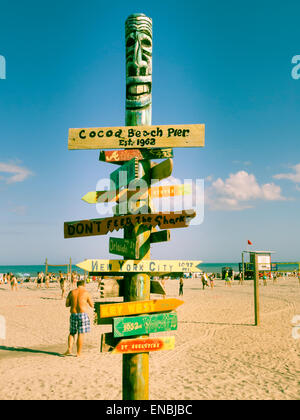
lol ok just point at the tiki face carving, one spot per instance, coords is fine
(138, 33)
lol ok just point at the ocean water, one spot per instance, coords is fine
(32, 270)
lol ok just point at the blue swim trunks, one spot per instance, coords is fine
(80, 323)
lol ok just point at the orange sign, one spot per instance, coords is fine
(139, 307)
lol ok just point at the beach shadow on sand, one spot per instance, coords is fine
(27, 350)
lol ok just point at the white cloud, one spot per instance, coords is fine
(292, 176)
(14, 173)
(238, 192)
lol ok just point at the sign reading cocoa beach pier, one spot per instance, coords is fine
(155, 136)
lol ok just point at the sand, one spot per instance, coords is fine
(219, 353)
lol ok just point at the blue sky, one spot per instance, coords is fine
(224, 64)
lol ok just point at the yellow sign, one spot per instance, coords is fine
(140, 266)
(155, 136)
(94, 197)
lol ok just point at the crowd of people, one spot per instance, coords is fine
(43, 279)
(9, 278)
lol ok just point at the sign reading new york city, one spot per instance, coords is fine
(155, 136)
(139, 266)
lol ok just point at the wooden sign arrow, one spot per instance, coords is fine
(135, 345)
(157, 288)
(138, 307)
(160, 236)
(93, 227)
(94, 197)
(121, 156)
(162, 170)
(140, 266)
(144, 324)
(133, 137)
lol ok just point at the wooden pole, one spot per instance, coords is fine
(256, 291)
(138, 34)
(243, 267)
(46, 267)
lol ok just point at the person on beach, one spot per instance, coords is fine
(74, 279)
(204, 280)
(232, 278)
(227, 279)
(265, 279)
(13, 282)
(212, 280)
(181, 286)
(40, 279)
(62, 283)
(99, 280)
(47, 280)
(78, 301)
(241, 278)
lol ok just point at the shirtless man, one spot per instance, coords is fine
(78, 301)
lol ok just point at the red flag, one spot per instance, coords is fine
(249, 242)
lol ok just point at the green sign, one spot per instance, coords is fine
(125, 247)
(144, 324)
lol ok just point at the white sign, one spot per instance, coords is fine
(264, 262)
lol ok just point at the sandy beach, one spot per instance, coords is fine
(219, 353)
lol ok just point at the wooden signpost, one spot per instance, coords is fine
(155, 136)
(133, 180)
